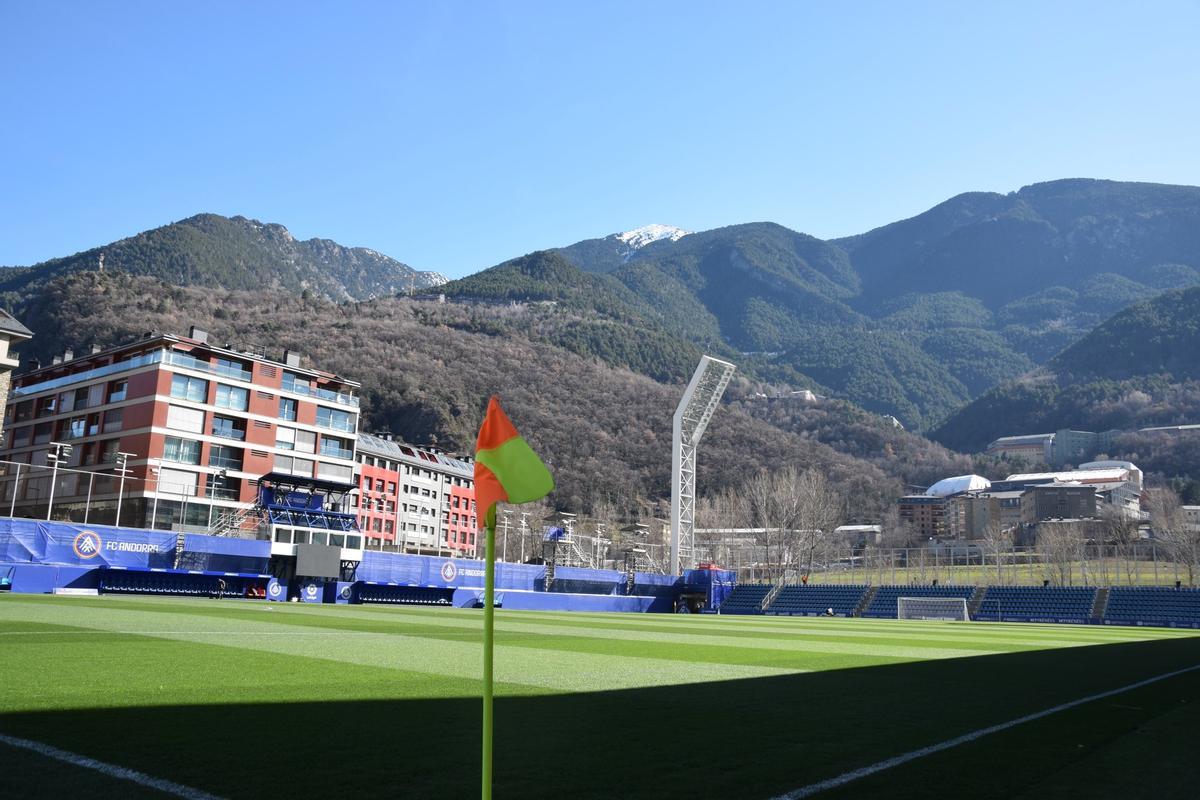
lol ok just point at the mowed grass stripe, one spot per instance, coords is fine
(969, 636)
(97, 669)
(581, 638)
(537, 669)
(757, 625)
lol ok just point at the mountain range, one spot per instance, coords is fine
(234, 253)
(945, 321)
(914, 319)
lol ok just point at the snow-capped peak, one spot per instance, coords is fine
(640, 237)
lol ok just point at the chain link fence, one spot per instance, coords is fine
(1140, 563)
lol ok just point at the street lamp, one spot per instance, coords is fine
(122, 470)
(154, 514)
(61, 451)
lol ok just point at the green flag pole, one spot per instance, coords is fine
(489, 591)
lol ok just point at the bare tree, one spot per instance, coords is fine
(819, 509)
(1061, 545)
(1121, 530)
(1171, 527)
(997, 540)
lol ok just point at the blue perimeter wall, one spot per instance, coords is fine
(40, 555)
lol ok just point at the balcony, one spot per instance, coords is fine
(91, 374)
(225, 462)
(336, 452)
(175, 358)
(335, 425)
(343, 398)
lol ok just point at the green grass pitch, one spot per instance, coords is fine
(244, 699)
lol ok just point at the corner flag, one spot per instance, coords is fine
(506, 469)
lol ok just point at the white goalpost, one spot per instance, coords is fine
(932, 608)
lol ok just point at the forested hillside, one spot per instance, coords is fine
(427, 369)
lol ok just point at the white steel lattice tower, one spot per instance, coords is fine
(699, 401)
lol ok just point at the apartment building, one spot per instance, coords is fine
(414, 499)
(181, 428)
(12, 332)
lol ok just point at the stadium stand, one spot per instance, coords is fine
(884, 604)
(746, 598)
(815, 600)
(1153, 605)
(1072, 604)
(404, 595)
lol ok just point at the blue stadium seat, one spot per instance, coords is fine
(746, 598)
(815, 600)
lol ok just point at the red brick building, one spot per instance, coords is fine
(195, 424)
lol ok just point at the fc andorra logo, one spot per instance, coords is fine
(449, 571)
(275, 590)
(86, 544)
(345, 592)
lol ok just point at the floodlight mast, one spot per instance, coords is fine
(695, 409)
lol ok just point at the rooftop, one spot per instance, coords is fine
(10, 325)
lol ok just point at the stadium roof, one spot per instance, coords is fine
(1074, 476)
(956, 485)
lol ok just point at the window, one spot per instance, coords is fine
(117, 390)
(232, 397)
(285, 438)
(42, 432)
(114, 418)
(334, 472)
(185, 387)
(231, 368)
(335, 419)
(220, 488)
(391, 487)
(225, 457)
(20, 436)
(340, 448)
(176, 481)
(306, 442)
(294, 383)
(93, 424)
(47, 405)
(24, 411)
(66, 401)
(77, 428)
(229, 428)
(287, 409)
(109, 450)
(294, 466)
(185, 419)
(185, 451)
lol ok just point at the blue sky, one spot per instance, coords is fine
(454, 135)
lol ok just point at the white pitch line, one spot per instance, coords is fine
(880, 766)
(111, 770)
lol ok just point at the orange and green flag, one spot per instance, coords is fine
(506, 468)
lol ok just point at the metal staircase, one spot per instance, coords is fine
(770, 596)
(230, 522)
(865, 602)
